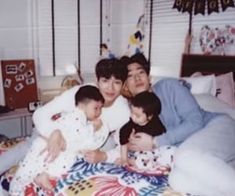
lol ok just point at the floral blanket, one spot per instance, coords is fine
(95, 179)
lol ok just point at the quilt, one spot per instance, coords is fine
(102, 179)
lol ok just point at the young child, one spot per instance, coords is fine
(81, 129)
(145, 108)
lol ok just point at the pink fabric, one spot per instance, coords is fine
(225, 88)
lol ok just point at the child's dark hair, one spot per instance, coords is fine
(136, 58)
(87, 93)
(150, 103)
(111, 67)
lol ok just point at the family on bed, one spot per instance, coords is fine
(203, 151)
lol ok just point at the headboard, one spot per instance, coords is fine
(207, 64)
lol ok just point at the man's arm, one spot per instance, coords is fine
(42, 116)
(44, 125)
(180, 111)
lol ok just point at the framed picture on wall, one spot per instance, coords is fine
(19, 82)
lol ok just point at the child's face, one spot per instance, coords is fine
(110, 89)
(138, 116)
(92, 109)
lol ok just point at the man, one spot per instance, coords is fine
(205, 144)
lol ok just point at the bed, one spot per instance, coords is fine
(208, 64)
(217, 75)
(94, 179)
(109, 179)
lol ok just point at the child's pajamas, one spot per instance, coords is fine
(78, 133)
(159, 161)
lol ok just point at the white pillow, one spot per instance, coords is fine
(202, 84)
(158, 72)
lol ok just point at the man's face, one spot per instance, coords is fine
(137, 79)
(92, 109)
(110, 89)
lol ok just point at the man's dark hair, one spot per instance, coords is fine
(87, 93)
(111, 67)
(148, 101)
(137, 58)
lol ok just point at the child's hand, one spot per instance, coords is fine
(118, 161)
(55, 144)
(121, 162)
(45, 182)
(141, 142)
(124, 163)
(97, 123)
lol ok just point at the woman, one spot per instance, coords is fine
(205, 151)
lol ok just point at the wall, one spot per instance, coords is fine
(23, 33)
(124, 17)
(15, 32)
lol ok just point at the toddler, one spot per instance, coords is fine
(82, 130)
(145, 109)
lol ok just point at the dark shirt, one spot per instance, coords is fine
(154, 128)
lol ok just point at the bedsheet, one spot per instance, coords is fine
(94, 179)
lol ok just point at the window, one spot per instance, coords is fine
(65, 37)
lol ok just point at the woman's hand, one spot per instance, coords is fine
(55, 144)
(140, 142)
(94, 156)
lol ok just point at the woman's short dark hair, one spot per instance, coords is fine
(148, 101)
(87, 93)
(111, 67)
(137, 58)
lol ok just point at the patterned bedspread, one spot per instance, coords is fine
(96, 179)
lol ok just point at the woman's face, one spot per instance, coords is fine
(137, 79)
(110, 89)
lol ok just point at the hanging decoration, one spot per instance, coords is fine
(194, 7)
(136, 39)
(202, 6)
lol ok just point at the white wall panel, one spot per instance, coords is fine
(125, 15)
(90, 34)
